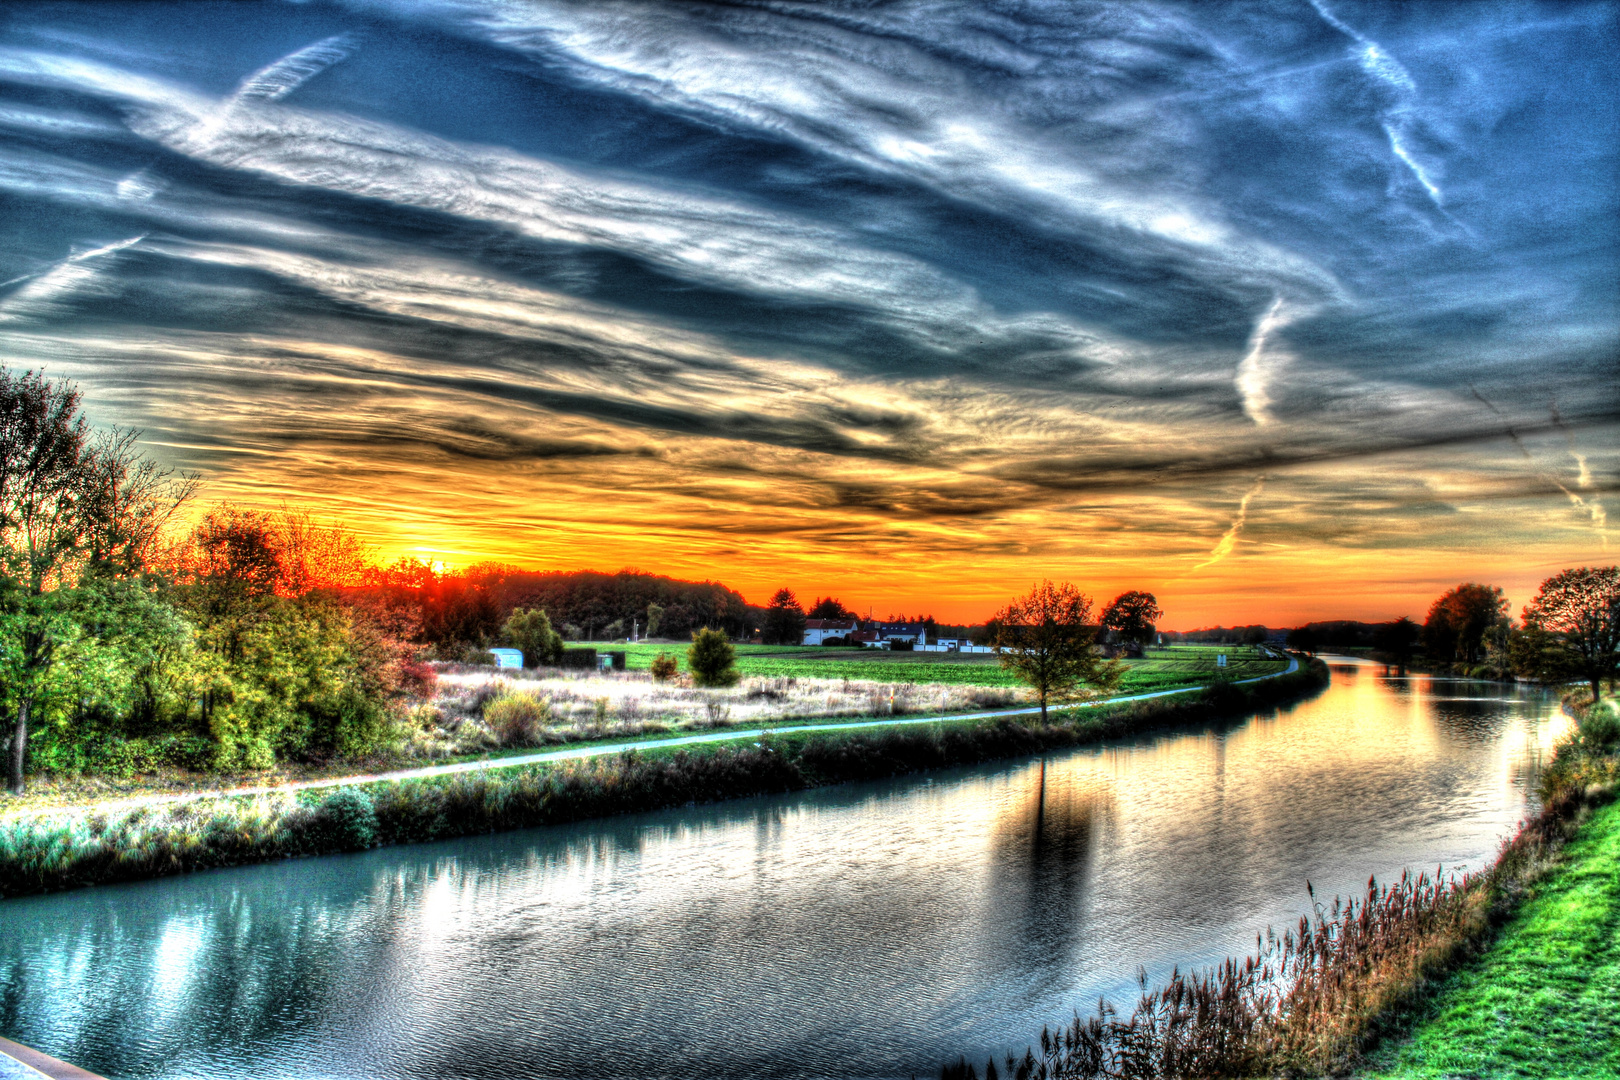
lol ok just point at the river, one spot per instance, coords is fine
(864, 930)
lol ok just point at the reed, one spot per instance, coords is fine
(1312, 1001)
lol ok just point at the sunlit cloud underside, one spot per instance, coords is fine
(1281, 311)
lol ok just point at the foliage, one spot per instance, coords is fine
(518, 719)
(50, 852)
(346, 820)
(1395, 642)
(1458, 621)
(1132, 615)
(828, 607)
(711, 659)
(664, 667)
(74, 510)
(530, 631)
(453, 610)
(1572, 628)
(1046, 637)
(784, 620)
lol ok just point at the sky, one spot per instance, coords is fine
(1279, 310)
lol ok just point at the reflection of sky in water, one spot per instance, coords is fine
(879, 927)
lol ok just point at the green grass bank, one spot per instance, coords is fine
(48, 852)
(1543, 1000)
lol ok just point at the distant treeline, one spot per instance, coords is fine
(462, 612)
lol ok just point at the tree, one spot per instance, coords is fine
(1457, 622)
(1396, 641)
(711, 659)
(1575, 619)
(1047, 638)
(655, 616)
(1132, 615)
(1303, 639)
(664, 667)
(784, 620)
(530, 631)
(69, 505)
(828, 608)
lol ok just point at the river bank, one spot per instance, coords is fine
(1544, 998)
(1510, 972)
(49, 852)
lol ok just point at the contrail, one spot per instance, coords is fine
(277, 80)
(1253, 378)
(1385, 68)
(1224, 546)
(58, 277)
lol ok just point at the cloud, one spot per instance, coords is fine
(893, 288)
(1228, 541)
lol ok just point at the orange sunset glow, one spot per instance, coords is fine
(855, 323)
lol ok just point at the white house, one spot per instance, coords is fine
(818, 631)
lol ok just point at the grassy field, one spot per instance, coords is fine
(1162, 668)
(1544, 1001)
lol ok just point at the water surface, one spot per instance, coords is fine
(864, 930)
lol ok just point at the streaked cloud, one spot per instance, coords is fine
(906, 302)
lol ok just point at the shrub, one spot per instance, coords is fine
(517, 719)
(530, 631)
(712, 659)
(665, 667)
(417, 679)
(1600, 731)
(346, 819)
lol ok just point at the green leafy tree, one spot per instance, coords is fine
(1574, 621)
(711, 659)
(655, 617)
(1132, 616)
(784, 620)
(1047, 638)
(1458, 621)
(529, 629)
(72, 506)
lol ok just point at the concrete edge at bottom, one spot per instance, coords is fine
(43, 1064)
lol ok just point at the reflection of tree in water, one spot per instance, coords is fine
(1043, 843)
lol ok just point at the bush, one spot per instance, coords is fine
(665, 667)
(1600, 731)
(712, 659)
(518, 719)
(347, 820)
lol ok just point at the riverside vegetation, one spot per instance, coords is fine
(43, 852)
(1317, 999)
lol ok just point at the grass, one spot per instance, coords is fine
(1541, 1003)
(1545, 999)
(68, 849)
(1160, 669)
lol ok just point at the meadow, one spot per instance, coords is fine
(1177, 665)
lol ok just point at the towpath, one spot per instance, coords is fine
(605, 749)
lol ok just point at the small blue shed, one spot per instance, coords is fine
(504, 658)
